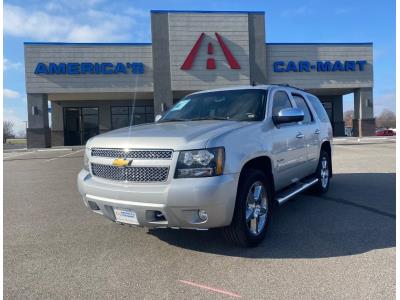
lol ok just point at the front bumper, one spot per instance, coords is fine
(178, 200)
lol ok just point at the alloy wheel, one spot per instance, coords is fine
(324, 172)
(256, 208)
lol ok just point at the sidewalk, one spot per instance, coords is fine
(59, 148)
(364, 140)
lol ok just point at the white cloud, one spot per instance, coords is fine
(86, 25)
(53, 6)
(298, 11)
(10, 94)
(384, 100)
(131, 11)
(9, 65)
(387, 100)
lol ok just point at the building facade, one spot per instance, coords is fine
(96, 87)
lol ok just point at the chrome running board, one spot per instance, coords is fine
(285, 195)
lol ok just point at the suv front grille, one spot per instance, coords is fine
(133, 174)
(135, 154)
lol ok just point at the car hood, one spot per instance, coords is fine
(165, 135)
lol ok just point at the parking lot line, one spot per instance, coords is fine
(73, 152)
(19, 154)
(209, 288)
(54, 149)
(348, 147)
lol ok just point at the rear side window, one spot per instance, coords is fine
(319, 109)
(301, 103)
(281, 101)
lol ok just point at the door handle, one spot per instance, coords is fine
(299, 135)
(317, 131)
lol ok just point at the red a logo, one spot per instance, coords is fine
(187, 64)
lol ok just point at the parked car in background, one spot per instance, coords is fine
(217, 159)
(385, 132)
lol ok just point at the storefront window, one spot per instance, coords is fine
(123, 116)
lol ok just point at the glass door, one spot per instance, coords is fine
(90, 123)
(72, 125)
(80, 124)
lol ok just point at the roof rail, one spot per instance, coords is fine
(288, 85)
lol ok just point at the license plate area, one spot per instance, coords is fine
(125, 215)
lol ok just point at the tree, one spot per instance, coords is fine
(386, 119)
(8, 130)
(348, 118)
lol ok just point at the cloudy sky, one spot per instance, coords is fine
(129, 21)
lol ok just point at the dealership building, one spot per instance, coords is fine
(96, 87)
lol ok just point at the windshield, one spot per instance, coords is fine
(236, 105)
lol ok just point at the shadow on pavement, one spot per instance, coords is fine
(357, 215)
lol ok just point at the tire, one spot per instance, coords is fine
(323, 174)
(250, 233)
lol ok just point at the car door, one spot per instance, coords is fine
(288, 146)
(310, 128)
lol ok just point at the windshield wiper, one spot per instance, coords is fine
(174, 120)
(210, 118)
(195, 119)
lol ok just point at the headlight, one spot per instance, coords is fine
(86, 159)
(200, 163)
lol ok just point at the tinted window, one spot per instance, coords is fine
(319, 109)
(90, 110)
(137, 110)
(301, 103)
(281, 101)
(123, 116)
(118, 110)
(119, 121)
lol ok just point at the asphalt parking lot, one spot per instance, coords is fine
(339, 246)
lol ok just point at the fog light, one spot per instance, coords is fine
(93, 205)
(202, 215)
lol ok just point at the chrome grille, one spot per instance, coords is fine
(134, 174)
(135, 154)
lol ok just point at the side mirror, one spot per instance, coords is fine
(157, 118)
(289, 115)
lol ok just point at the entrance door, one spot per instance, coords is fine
(72, 125)
(90, 123)
(80, 124)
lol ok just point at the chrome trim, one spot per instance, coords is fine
(123, 202)
(256, 212)
(324, 172)
(289, 115)
(300, 189)
(130, 174)
(132, 153)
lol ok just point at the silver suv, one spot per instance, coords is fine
(218, 158)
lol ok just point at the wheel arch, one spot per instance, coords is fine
(262, 163)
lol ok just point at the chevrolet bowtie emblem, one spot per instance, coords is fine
(121, 162)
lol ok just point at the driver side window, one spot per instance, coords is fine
(281, 101)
